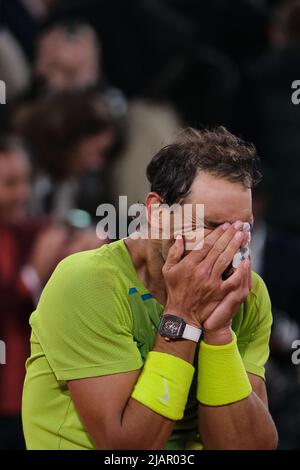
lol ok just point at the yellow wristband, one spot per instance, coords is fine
(222, 378)
(164, 384)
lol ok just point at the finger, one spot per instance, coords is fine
(239, 280)
(209, 311)
(246, 278)
(246, 274)
(234, 290)
(226, 256)
(204, 246)
(175, 253)
(221, 244)
(233, 282)
(223, 313)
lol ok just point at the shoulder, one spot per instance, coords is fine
(255, 328)
(259, 292)
(257, 306)
(90, 266)
(84, 288)
(85, 278)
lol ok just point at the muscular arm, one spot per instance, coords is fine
(116, 421)
(246, 424)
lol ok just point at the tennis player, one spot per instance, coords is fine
(142, 344)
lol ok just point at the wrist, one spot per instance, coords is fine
(218, 337)
(181, 348)
(189, 320)
(163, 385)
(222, 377)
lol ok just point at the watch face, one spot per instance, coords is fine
(172, 326)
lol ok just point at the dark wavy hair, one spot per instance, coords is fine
(173, 169)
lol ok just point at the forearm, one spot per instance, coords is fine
(139, 426)
(141, 429)
(243, 414)
(246, 424)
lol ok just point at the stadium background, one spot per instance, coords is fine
(93, 89)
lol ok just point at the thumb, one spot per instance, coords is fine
(175, 253)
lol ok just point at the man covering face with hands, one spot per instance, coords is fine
(153, 343)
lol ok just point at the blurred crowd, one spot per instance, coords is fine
(93, 89)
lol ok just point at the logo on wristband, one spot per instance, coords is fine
(165, 398)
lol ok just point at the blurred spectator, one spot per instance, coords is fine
(81, 136)
(14, 69)
(150, 33)
(18, 289)
(275, 252)
(83, 124)
(267, 116)
(150, 125)
(23, 18)
(283, 381)
(200, 86)
(30, 250)
(276, 257)
(196, 90)
(68, 58)
(129, 58)
(234, 27)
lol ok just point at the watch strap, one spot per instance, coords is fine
(192, 333)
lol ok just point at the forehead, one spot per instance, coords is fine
(12, 163)
(223, 200)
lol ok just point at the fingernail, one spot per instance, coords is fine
(225, 226)
(248, 240)
(236, 260)
(246, 227)
(179, 237)
(239, 235)
(238, 225)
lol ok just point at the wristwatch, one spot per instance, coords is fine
(174, 327)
